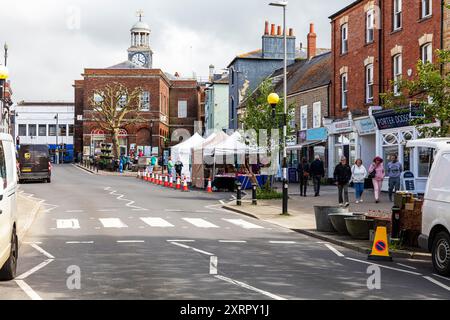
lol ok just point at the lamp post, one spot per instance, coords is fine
(151, 138)
(57, 149)
(283, 4)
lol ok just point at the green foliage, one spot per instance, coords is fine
(268, 194)
(430, 90)
(258, 113)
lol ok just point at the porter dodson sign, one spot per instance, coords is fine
(395, 118)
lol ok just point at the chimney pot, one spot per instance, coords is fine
(272, 29)
(291, 32)
(311, 28)
(266, 29)
(279, 31)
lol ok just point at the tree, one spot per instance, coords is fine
(429, 90)
(115, 106)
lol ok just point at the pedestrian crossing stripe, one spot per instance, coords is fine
(156, 222)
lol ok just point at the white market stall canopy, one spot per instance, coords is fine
(188, 145)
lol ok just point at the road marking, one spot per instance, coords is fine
(440, 284)
(202, 211)
(180, 240)
(192, 248)
(107, 210)
(113, 223)
(246, 286)
(45, 253)
(386, 267)
(173, 210)
(157, 222)
(232, 241)
(67, 224)
(244, 224)
(406, 266)
(222, 202)
(27, 289)
(33, 270)
(32, 242)
(85, 171)
(74, 211)
(142, 209)
(130, 241)
(213, 265)
(282, 242)
(329, 246)
(200, 223)
(79, 242)
(442, 277)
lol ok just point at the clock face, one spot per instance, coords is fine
(139, 59)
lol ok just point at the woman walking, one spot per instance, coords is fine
(359, 174)
(303, 176)
(377, 174)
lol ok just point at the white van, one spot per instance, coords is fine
(435, 235)
(9, 244)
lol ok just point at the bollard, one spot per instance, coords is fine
(239, 194)
(254, 200)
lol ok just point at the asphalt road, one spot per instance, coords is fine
(105, 237)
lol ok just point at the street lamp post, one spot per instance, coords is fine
(57, 149)
(284, 4)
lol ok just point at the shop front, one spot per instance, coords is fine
(365, 140)
(342, 141)
(394, 130)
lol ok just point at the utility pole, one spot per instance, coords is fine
(57, 148)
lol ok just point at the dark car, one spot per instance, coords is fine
(34, 163)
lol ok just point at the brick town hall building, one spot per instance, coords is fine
(167, 102)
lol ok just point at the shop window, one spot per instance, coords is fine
(32, 130)
(42, 130)
(426, 160)
(22, 130)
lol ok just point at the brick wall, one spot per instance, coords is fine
(309, 98)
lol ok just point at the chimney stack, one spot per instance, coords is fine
(279, 31)
(266, 29)
(312, 42)
(211, 73)
(272, 29)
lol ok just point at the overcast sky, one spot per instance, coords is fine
(52, 41)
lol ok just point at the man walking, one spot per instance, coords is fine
(317, 171)
(303, 176)
(342, 176)
(178, 167)
(394, 171)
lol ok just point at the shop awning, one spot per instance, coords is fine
(305, 144)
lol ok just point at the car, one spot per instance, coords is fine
(9, 242)
(435, 235)
(34, 163)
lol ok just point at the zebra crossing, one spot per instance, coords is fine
(153, 222)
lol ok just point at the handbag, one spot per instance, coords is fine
(372, 174)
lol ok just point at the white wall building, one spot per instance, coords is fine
(37, 123)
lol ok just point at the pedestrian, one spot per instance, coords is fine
(317, 172)
(394, 171)
(170, 167)
(377, 174)
(153, 161)
(359, 174)
(303, 176)
(178, 167)
(342, 175)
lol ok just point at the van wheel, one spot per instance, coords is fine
(49, 180)
(8, 272)
(441, 253)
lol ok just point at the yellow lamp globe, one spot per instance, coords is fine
(3, 73)
(273, 99)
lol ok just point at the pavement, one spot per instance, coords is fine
(27, 209)
(301, 216)
(107, 237)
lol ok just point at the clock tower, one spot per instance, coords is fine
(140, 52)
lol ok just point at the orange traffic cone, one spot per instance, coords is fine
(151, 177)
(166, 181)
(170, 181)
(185, 186)
(178, 184)
(161, 180)
(156, 179)
(145, 176)
(209, 189)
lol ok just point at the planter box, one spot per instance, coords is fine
(323, 222)
(359, 228)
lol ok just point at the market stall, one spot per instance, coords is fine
(183, 152)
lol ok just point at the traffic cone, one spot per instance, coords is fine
(151, 177)
(380, 249)
(156, 179)
(161, 180)
(209, 189)
(145, 176)
(185, 186)
(170, 181)
(166, 181)
(178, 184)
(139, 174)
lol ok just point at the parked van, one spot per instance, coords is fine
(34, 162)
(435, 235)
(8, 222)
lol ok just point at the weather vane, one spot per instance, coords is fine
(140, 14)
